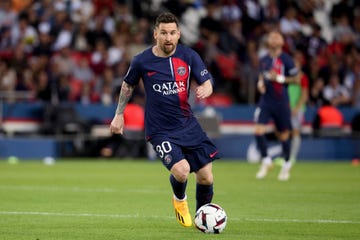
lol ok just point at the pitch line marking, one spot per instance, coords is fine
(56, 188)
(164, 217)
(298, 220)
(75, 189)
(70, 214)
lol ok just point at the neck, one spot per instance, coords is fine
(160, 53)
(274, 52)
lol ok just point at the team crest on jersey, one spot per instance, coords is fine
(167, 159)
(181, 71)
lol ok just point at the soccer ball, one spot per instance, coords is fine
(210, 218)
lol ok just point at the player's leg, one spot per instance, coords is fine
(282, 120)
(173, 159)
(178, 180)
(204, 185)
(261, 117)
(296, 121)
(284, 138)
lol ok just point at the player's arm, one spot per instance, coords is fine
(293, 79)
(273, 76)
(304, 94)
(261, 84)
(204, 90)
(117, 124)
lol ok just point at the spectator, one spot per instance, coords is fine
(335, 92)
(289, 24)
(44, 46)
(355, 99)
(79, 40)
(105, 88)
(63, 39)
(316, 97)
(64, 61)
(97, 33)
(6, 44)
(316, 44)
(24, 32)
(117, 51)
(343, 32)
(7, 14)
(43, 89)
(99, 58)
(7, 79)
(63, 88)
(83, 72)
(327, 118)
(87, 94)
(19, 60)
(271, 14)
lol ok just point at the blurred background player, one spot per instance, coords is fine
(298, 96)
(277, 69)
(170, 125)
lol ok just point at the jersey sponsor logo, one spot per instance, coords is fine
(169, 88)
(203, 72)
(151, 73)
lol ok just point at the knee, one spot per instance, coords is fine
(181, 171)
(284, 136)
(259, 130)
(205, 179)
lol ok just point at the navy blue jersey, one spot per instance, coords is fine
(167, 86)
(276, 92)
(274, 103)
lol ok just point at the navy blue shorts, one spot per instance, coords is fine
(170, 151)
(279, 113)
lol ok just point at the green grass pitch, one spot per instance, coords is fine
(131, 199)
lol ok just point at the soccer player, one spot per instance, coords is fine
(179, 141)
(277, 69)
(298, 95)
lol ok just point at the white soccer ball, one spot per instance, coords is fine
(210, 218)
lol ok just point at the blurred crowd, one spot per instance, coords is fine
(79, 50)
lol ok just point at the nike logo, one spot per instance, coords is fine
(211, 155)
(151, 73)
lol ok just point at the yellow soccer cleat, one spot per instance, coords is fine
(182, 212)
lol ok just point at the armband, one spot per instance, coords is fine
(280, 78)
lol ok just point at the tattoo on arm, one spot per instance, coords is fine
(124, 97)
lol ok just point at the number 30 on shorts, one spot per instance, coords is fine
(163, 148)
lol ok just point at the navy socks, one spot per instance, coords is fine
(178, 187)
(204, 194)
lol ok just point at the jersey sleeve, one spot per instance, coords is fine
(290, 68)
(304, 82)
(134, 72)
(199, 70)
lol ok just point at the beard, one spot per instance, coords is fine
(167, 48)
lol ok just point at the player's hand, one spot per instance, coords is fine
(204, 90)
(273, 76)
(117, 124)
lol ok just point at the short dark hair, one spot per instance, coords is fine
(166, 17)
